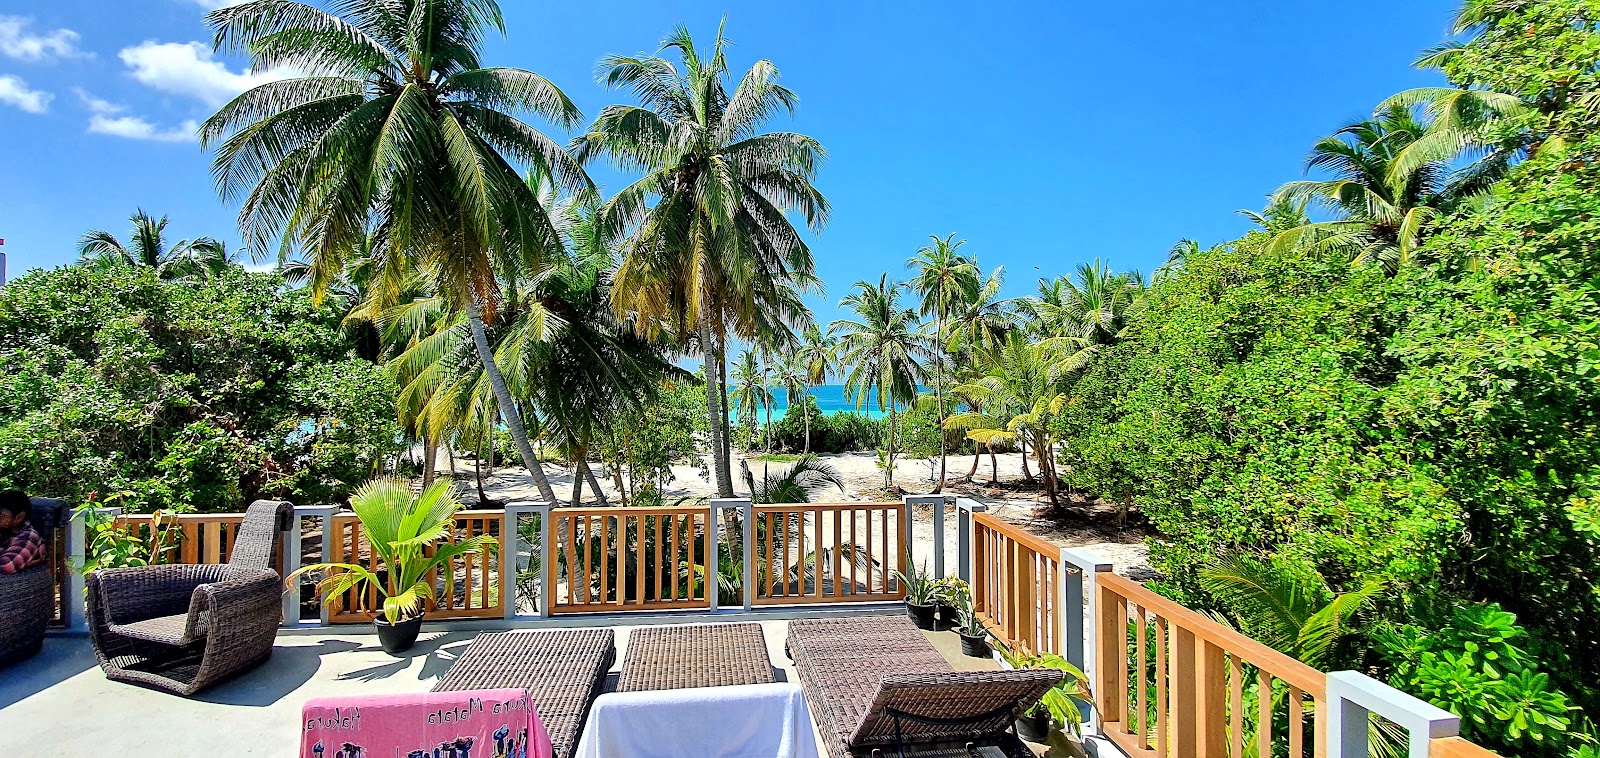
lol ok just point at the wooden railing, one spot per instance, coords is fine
(630, 559)
(1179, 688)
(1015, 583)
(470, 587)
(202, 539)
(829, 553)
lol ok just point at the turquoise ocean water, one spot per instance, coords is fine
(831, 399)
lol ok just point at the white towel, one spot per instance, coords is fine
(742, 721)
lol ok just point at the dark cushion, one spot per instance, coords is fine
(46, 515)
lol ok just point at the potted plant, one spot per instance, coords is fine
(949, 594)
(400, 529)
(1059, 704)
(920, 600)
(974, 636)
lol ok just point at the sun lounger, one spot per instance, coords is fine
(875, 686)
(561, 670)
(695, 655)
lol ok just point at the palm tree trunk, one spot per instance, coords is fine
(477, 471)
(594, 484)
(994, 466)
(577, 482)
(1022, 444)
(891, 444)
(717, 417)
(430, 459)
(805, 413)
(977, 457)
(938, 390)
(768, 405)
(508, 407)
(727, 430)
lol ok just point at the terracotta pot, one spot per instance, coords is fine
(398, 637)
(922, 615)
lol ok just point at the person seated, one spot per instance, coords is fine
(20, 546)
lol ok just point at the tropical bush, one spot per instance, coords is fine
(183, 396)
(833, 433)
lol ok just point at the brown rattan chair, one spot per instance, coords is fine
(28, 598)
(877, 687)
(184, 628)
(562, 671)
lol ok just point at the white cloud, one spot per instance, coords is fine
(17, 41)
(188, 69)
(15, 92)
(133, 127)
(103, 119)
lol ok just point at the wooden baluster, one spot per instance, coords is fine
(783, 524)
(604, 547)
(838, 548)
(883, 569)
(1235, 707)
(212, 532)
(658, 588)
(772, 577)
(1211, 679)
(1107, 663)
(1263, 713)
(639, 567)
(675, 525)
(816, 554)
(1119, 612)
(1319, 739)
(1184, 689)
(467, 563)
(1141, 680)
(1162, 706)
(572, 564)
(855, 556)
(888, 576)
(1297, 727)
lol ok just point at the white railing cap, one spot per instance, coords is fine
(323, 509)
(1083, 561)
(973, 504)
(1415, 715)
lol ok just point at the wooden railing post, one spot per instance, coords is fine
(1184, 691)
(77, 547)
(326, 513)
(1107, 665)
(1352, 696)
(1211, 688)
(965, 555)
(936, 502)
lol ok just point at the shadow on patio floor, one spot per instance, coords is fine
(62, 658)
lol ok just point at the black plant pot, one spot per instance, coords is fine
(398, 637)
(976, 646)
(949, 616)
(922, 615)
(1035, 728)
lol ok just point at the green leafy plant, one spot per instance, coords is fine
(919, 585)
(401, 529)
(1290, 612)
(114, 545)
(959, 596)
(1062, 700)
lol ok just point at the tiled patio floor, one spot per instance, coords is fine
(59, 704)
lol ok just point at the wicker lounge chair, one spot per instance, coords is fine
(28, 597)
(876, 686)
(695, 655)
(185, 628)
(561, 670)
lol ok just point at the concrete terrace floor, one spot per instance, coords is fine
(58, 703)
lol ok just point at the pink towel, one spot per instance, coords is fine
(474, 724)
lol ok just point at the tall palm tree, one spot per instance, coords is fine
(880, 347)
(1077, 318)
(147, 247)
(750, 391)
(1019, 393)
(945, 280)
(817, 353)
(395, 126)
(1383, 194)
(790, 373)
(982, 323)
(711, 251)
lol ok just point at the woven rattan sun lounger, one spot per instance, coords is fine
(562, 671)
(876, 686)
(695, 655)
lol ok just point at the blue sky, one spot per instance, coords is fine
(1046, 134)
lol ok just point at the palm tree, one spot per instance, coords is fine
(1382, 193)
(750, 392)
(880, 347)
(945, 280)
(1019, 393)
(982, 323)
(395, 127)
(789, 372)
(147, 248)
(711, 251)
(1078, 318)
(817, 355)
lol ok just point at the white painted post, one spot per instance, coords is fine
(72, 595)
(1077, 598)
(547, 558)
(937, 503)
(906, 534)
(713, 542)
(511, 555)
(747, 514)
(325, 512)
(965, 507)
(290, 547)
(1352, 696)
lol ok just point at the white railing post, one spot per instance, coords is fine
(714, 543)
(511, 547)
(325, 512)
(937, 503)
(1352, 696)
(1077, 598)
(289, 548)
(548, 576)
(748, 529)
(965, 507)
(73, 616)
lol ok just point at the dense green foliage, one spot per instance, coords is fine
(1432, 422)
(188, 396)
(832, 433)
